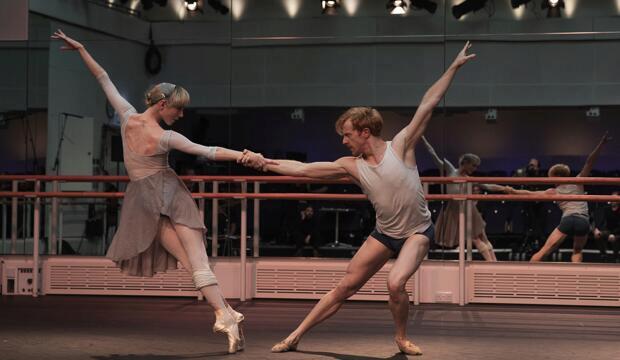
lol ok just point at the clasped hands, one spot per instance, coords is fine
(255, 160)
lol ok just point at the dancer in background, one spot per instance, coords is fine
(448, 221)
(575, 220)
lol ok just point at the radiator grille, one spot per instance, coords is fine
(541, 286)
(300, 280)
(102, 277)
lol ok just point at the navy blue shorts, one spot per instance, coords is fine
(396, 244)
(574, 225)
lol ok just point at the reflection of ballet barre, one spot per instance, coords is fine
(337, 243)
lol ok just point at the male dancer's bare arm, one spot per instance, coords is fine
(410, 135)
(496, 188)
(587, 168)
(114, 97)
(319, 170)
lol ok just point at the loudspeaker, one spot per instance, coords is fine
(116, 147)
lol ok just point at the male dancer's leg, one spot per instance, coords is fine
(411, 256)
(369, 259)
(578, 244)
(553, 241)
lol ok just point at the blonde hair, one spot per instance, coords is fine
(361, 118)
(559, 170)
(470, 159)
(177, 96)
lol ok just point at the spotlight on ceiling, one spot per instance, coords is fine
(517, 3)
(553, 8)
(191, 5)
(427, 5)
(330, 7)
(396, 7)
(467, 6)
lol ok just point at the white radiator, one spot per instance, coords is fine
(312, 278)
(548, 283)
(99, 276)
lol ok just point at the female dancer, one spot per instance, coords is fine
(448, 220)
(575, 218)
(160, 222)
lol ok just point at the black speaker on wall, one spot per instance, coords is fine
(116, 147)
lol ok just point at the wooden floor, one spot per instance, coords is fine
(129, 328)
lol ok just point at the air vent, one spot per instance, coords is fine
(557, 284)
(299, 280)
(98, 276)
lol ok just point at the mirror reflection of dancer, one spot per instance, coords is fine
(160, 222)
(448, 220)
(575, 217)
(387, 172)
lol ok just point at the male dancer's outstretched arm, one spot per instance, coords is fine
(408, 137)
(320, 170)
(587, 167)
(585, 171)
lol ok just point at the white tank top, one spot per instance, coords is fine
(396, 193)
(572, 207)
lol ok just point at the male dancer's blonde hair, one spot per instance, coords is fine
(361, 118)
(559, 170)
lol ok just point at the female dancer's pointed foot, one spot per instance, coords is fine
(239, 319)
(407, 347)
(284, 346)
(226, 324)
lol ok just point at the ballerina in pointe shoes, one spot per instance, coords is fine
(160, 224)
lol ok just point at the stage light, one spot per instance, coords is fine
(467, 6)
(427, 5)
(330, 7)
(191, 5)
(397, 7)
(553, 8)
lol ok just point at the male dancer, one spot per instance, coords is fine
(387, 172)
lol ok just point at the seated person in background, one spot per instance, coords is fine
(534, 212)
(607, 229)
(305, 231)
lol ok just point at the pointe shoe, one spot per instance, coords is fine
(227, 325)
(235, 314)
(284, 346)
(409, 348)
(239, 319)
